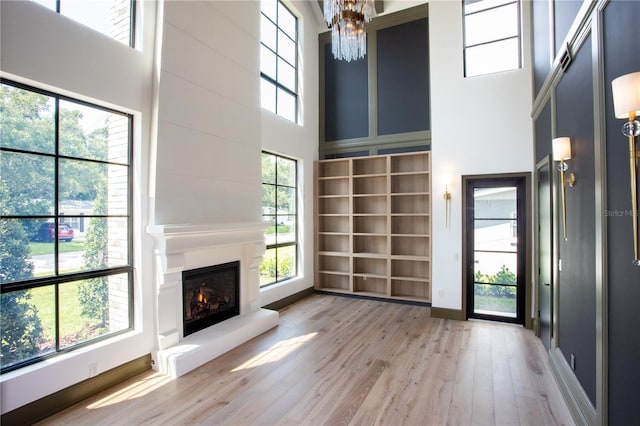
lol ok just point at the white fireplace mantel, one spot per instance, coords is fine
(184, 247)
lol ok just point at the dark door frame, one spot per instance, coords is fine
(528, 323)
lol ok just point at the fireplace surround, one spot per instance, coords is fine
(183, 248)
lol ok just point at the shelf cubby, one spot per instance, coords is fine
(401, 184)
(407, 225)
(334, 205)
(377, 286)
(419, 290)
(410, 246)
(416, 269)
(333, 264)
(334, 244)
(333, 281)
(409, 163)
(370, 204)
(370, 166)
(368, 266)
(333, 168)
(333, 224)
(370, 244)
(333, 186)
(370, 224)
(370, 185)
(410, 203)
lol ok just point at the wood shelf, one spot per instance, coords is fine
(373, 226)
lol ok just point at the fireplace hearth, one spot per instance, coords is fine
(210, 295)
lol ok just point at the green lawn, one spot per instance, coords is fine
(283, 229)
(47, 248)
(72, 324)
(495, 304)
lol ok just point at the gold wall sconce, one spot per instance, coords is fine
(561, 148)
(626, 104)
(447, 199)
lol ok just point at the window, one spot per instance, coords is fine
(65, 224)
(491, 36)
(113, 18)
(279, 59)
(279, 209)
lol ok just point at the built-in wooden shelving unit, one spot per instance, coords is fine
(373, 226)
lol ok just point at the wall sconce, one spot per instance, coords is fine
(447, 200)
(561, 152)
(626, 103)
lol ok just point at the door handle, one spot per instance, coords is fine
(547, 284)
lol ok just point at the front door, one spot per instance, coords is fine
(496, 248)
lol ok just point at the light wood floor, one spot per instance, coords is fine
(335, 360)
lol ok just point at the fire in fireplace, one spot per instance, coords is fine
(210, 295)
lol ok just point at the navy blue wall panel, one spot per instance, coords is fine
(346, 98)
(403, 78)
(576, 288)
(621, 37)
(543, 133)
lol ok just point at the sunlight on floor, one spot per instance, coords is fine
(133, 391)
(276, 352)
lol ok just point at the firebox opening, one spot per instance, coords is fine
(210, 295)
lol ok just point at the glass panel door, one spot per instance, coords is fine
(495, 246)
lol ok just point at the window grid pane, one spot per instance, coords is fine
(279, 59)
(491, 36)
(279, 206)
(65, 218)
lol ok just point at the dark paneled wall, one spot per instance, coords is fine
(346, 98)
(403, 78)
(621, 56)
(574, 117)
(543, 133)
(576, 286)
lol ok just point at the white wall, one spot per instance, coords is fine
(480, 125)
(50, 51)
(299, 141)
(208, 144)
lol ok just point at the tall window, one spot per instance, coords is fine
(279, 59)
(279, 209)
(65, 224)
(113, 18)
(491, 36)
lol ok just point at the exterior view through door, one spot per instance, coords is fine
(495, 244)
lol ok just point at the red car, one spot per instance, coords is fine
(47, 233)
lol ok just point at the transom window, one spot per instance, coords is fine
(65, 224)
(279, 209)
(491, 36)
(113, 18)
(279, 59)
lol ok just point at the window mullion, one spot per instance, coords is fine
(56, 185)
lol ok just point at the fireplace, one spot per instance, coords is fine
(210, 295)
(183, 250)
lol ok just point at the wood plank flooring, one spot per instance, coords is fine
(335, 360)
